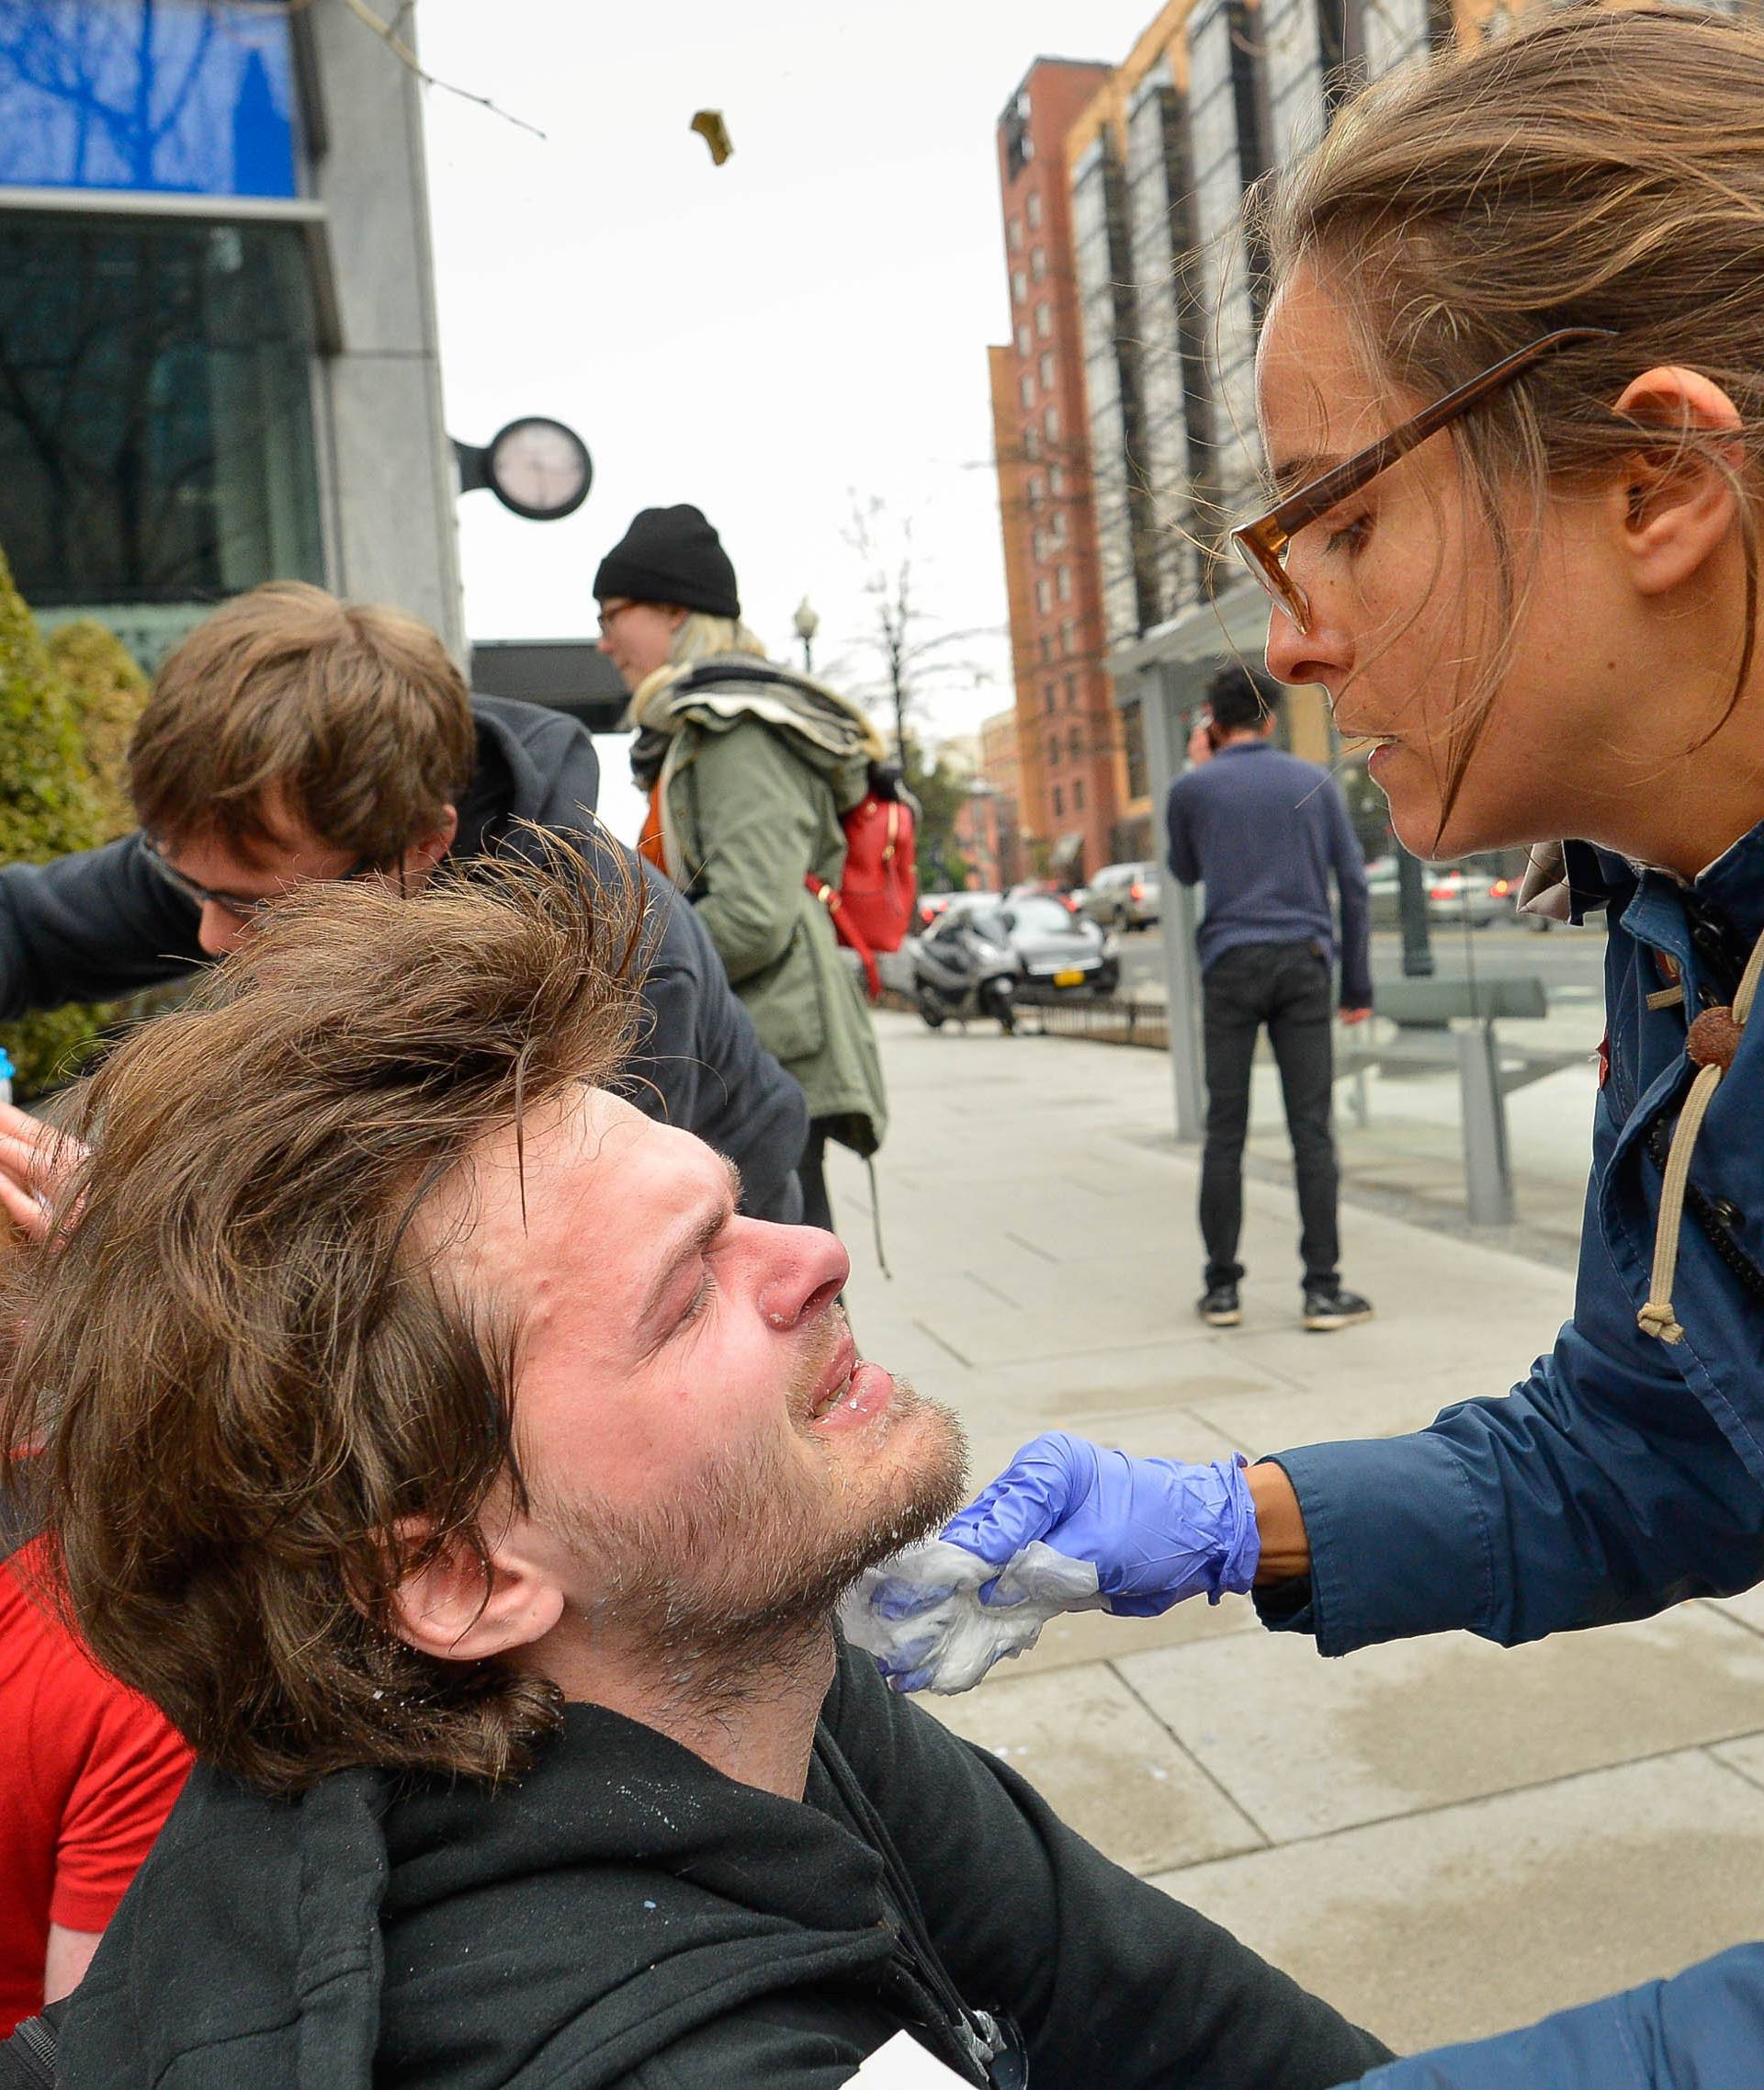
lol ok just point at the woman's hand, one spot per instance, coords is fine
(35, 1162)
(1156, 1531)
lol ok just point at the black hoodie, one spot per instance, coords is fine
(104, 923)
(627, 1916)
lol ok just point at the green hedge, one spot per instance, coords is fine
(51, 800)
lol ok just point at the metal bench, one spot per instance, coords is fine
(1451, 1023)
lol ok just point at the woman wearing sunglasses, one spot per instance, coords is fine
(1511, 393)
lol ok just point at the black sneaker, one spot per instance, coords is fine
(1331, 1306)
(1217, 1307)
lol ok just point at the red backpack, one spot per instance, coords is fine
(872, 905)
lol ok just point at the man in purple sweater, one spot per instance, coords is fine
(1262, 831)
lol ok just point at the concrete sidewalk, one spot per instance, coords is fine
(1442, 1838)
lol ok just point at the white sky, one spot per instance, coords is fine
(759, 338)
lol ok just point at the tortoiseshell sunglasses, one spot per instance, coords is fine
(1263, 543)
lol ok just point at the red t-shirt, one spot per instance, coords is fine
(88, 1771)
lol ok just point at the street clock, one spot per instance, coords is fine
(536, 467)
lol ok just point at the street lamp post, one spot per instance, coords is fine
(806, 624)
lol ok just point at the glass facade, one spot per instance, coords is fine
(155, 417)
(169, 95)
(1104, 282)
(1224, 114)
(1171, 329)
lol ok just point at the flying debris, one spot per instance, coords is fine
(709, 125)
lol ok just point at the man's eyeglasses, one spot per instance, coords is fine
(1264, 542)
(242, 906)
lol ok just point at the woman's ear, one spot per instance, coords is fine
(459, 1606)
(1676, 503)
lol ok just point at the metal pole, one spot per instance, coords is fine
(1412, 907)
(1488, 1178)
(1166, 747)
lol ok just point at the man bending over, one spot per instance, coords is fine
(430, 1435)
(292, 738)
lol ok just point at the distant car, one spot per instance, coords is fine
(931, 905)
(1059, 954)
(1455, 893)
(1122, 896)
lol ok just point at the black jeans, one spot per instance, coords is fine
(1288, 987)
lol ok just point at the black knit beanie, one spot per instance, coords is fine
(671, 555)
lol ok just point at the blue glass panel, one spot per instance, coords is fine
(193, 96)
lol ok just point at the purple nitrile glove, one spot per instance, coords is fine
(1156, 1531)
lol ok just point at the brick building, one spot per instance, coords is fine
(1069, 750)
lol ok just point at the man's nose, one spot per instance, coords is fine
(219, 932)
(806, 1271)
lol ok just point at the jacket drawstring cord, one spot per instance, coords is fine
(1711, 1042)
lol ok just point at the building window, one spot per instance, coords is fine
(1019, 147)
(1133, 734)
(1038, 263)
(156, 440)
(1024, 345)
(1057, 526)
(1036, 490)
(1019, 285)
(1027, 387)
(1059, 802)
(1053, 751)
(1032, 211)
(150, 95)
(1050, 421)
(1043, 595)
(1047, 370)
(1031, 441)
(1068, 636)
(1046, 645)
(1071, 693)
(1065, 583)
(1056, 481)
(1047, 697)
(1045, 321)
(1076, 740)
(1078, 794)
(1013, 233)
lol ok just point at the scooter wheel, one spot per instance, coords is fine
(931, 1011)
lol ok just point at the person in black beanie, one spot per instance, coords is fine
(747, 767)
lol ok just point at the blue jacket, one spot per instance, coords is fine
(1622, 1475)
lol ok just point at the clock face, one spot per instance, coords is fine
(539, 469)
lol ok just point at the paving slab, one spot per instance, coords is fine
(1105, 1765)
(1748, 1607)
(1306, 1747)
(1461, 1923)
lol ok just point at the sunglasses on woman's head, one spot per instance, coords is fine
(1264, 542)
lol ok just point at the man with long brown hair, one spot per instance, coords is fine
(429, 1434)
(293, 739)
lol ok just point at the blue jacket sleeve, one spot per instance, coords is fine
(90, 927)
(1703, 2030)
(1356, 907)
(1184, 862)
(1600, 1489)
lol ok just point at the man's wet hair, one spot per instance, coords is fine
(257, 1402)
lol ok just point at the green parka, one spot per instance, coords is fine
(749, 806)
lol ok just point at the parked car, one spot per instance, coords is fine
(1122, 896)
(1456, 893)
(1058, 953)
(931, 905)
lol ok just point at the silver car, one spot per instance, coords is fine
(1122, 896)
(1454, 893)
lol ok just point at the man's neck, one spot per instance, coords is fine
(1244, 737)
(755, 1723)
